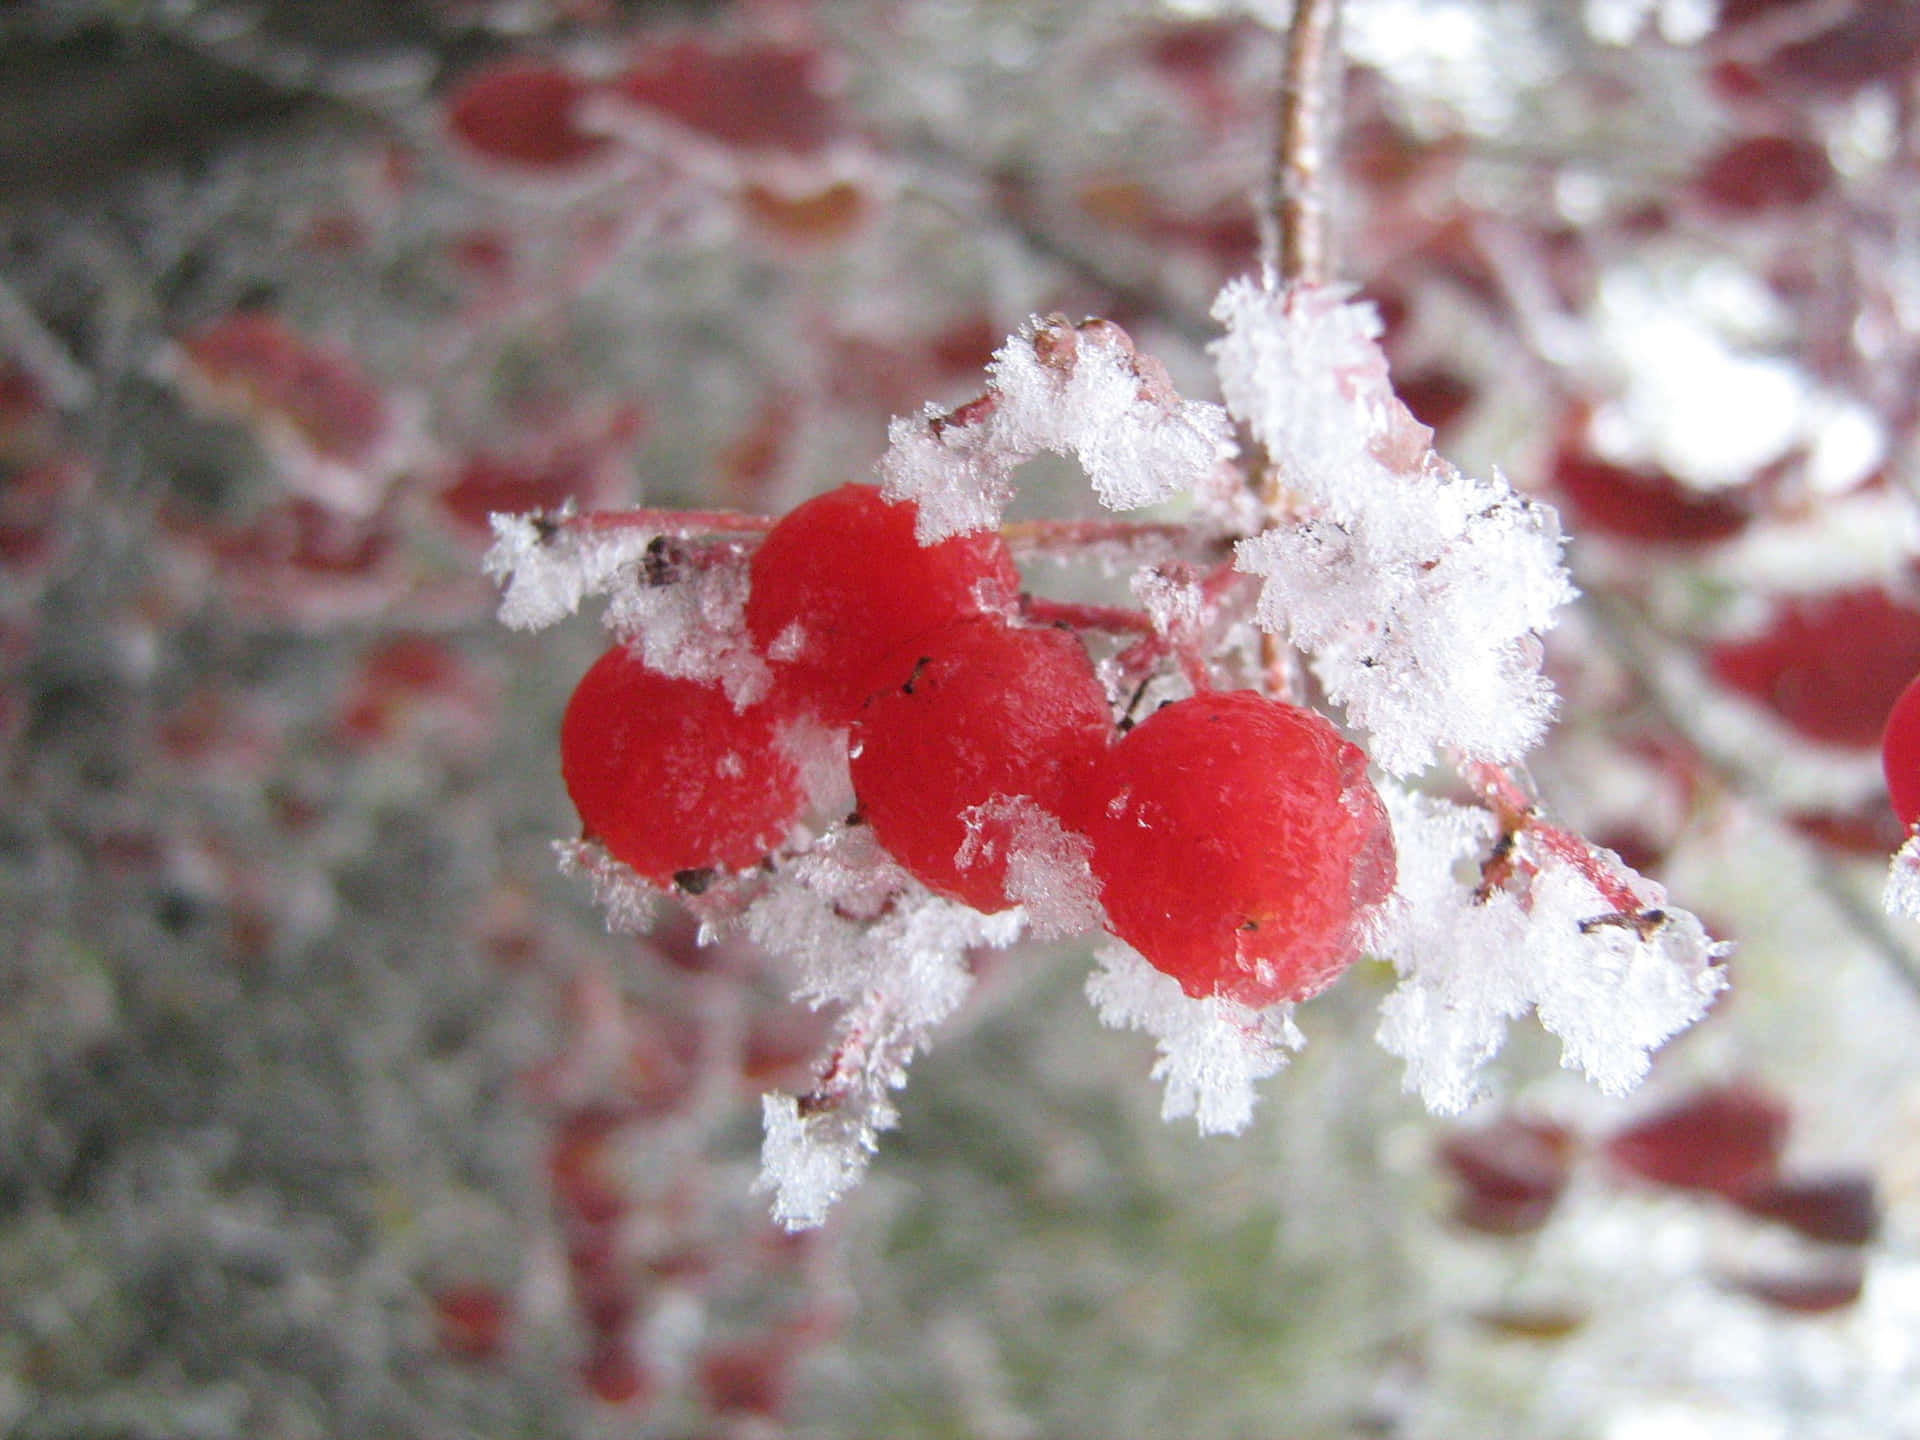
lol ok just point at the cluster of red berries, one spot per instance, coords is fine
(1234, 839)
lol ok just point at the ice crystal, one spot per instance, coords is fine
(1081, 391)
(1902, 893)
(1212, 1050)
(547, 569)
(870, 939)
(1049, 874)
(627, 901)
(695, 629)
(1612, 986)
(1416, 591)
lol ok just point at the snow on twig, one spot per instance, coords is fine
(1078, 390)
(1417, 592)
(1613, 985)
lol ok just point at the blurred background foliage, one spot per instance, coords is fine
(328, 1109)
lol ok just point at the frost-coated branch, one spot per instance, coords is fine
(1416, 595)
(1613, 980)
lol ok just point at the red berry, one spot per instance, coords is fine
(669, 776)
(752, 97)
(977, 710)
(472, 1320)
(1763, 172)
(1900, 753)
(841, 583)
(1724, 1141)
(256, 363)
(1831, 666)
(748, 1377)
(1511, 1173)
(1837, 1209)
(523, 114)
(612, 1376)
(1831, 1284)
(1236, 840)
(1645, 505)
(577, 1165)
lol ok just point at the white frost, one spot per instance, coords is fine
(1212, 1050)
(1417, 592)
(1612, 987)
(1081, 391)
(810, 1160)
(1902, 895)
(1049, 868)
(895, 956)
(625, 898)
(694, 627)
(1462, 968)
(547, 571)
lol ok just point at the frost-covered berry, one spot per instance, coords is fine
(841, 583)
(971, 716)
(1900, 753)
(669, 776)
(1238, 843)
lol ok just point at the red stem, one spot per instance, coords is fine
(1052, 536)
(681, 524)
(1114, 619)
(1048, 536)
(1517, 813)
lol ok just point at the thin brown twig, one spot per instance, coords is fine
(1050, 536)
(1299, 246)
(1304, 146)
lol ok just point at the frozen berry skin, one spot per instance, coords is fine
(975, 711)
(1900, 754)
(1238, 842)
(669, 776)
(841, 583)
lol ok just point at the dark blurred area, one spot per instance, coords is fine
(85, 99)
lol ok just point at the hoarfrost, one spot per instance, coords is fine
(546, 571)
(1461, 963)
(1081, 391)
(1177, 607)
(1049, 868)
(810, 1160)
(1212, 1050)
(1612, 990)
(818, 753)
(1416, 591)
(627, 900)
(1902, 893)
(694, 628)
(871, 939)
(1612, 987)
